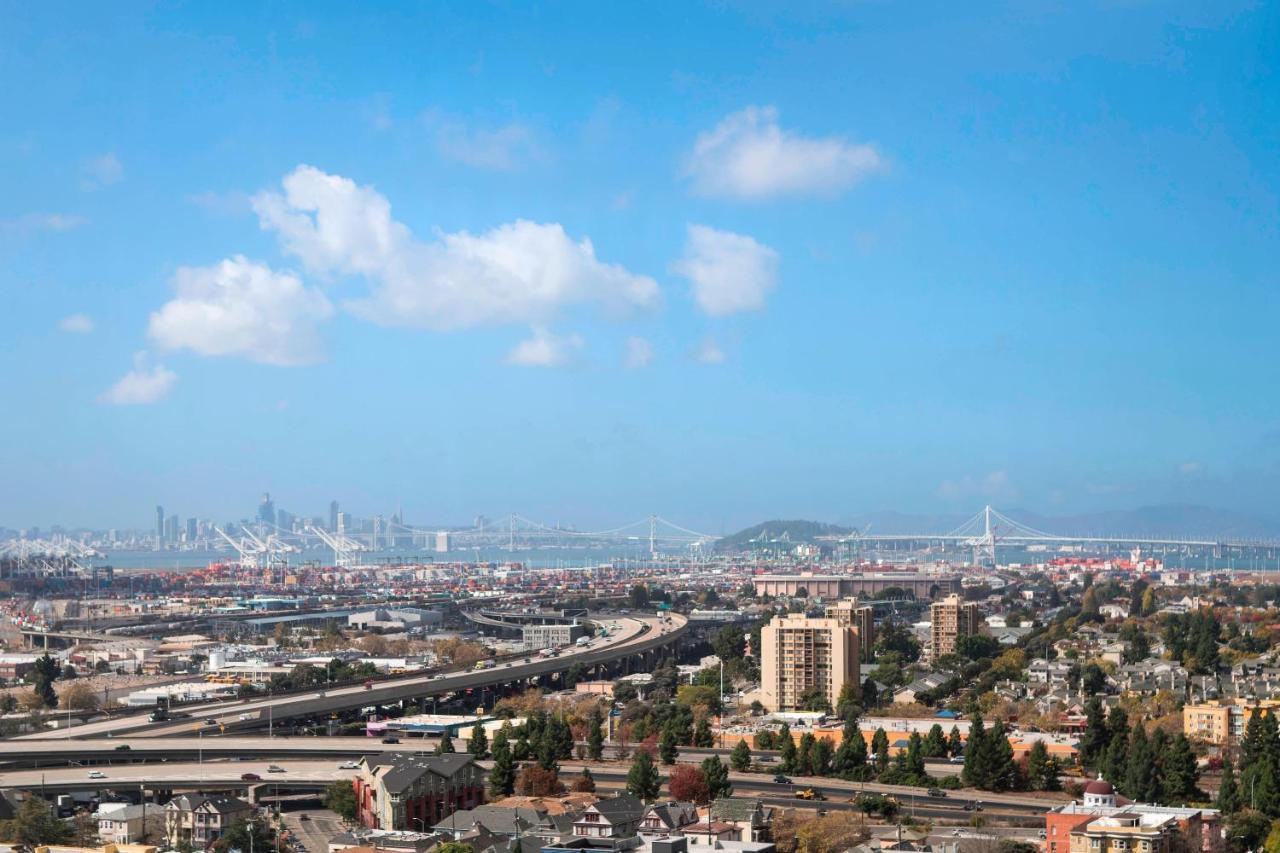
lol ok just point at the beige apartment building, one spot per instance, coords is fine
(950, 619)
(860, 617)
(798, 653)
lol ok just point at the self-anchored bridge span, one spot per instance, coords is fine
(990, 527)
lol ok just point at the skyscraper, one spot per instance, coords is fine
(860, 617)
(159, 525)
(333, 516)
(267, 510)
(803, 659)
(171, 529)
(191, 530)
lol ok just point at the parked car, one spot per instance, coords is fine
(250, 777)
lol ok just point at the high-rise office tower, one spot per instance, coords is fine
(333, 516)
(159, 525)
(803, 658)
(171, 529)
(267, 510)
(191, 530)
(950, 619)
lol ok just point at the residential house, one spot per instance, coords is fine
(613, 817)
(753, 819)
(121, 823)
(199, 820)
(400, 791)
(668, 817)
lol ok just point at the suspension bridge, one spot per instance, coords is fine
(989, 527)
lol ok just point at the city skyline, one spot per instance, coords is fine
(587, 265)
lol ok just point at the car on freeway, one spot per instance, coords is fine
(124, 747)
(391, 740)
(97, 774)
(936, 792)
(779, 779)
(250, 777)
(348, 765)
(304, 816)
(210, 721)
(275, 768)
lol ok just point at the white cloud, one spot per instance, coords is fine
(521, 272)
(500, 149)
(995, 485)
(748, 156)
(709, 352)
(142, 385)
(545, 349)
(76, 324)
(42, 222)
(639, 352)
(240, 307)
(729, 272)
(101, 171)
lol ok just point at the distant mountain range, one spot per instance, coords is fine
(1170, 521)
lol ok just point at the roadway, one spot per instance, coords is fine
(636, 634)
(315, 774)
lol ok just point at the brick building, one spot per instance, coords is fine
(415, 792)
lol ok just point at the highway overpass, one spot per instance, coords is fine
(635, 637)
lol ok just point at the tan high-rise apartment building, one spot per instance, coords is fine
(860, 617)
(951, 618)
(798, 654)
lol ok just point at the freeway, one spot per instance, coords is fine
(314, 774)
(636, 634)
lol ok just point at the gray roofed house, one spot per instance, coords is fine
(612, 817)
(509, 822)
(661, 818)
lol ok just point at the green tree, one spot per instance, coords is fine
(915, 758)
(455, 847)
(740, 758)
(728, 643)
(595, 735)
(1037, 766)
(245, 834)
(502, 778)
(849, 702)
(1178, 771)
(935, 743)
(880, 749)
(445, 746)
(34, 825)
(977, 771)
(870, 697)
(1228, 801)
(804, 754)
(642, 779)
(478, 743)
(851, 757)
(1004, 771)
(639, 596)
(1096, 737)
(702, 737)
(668, 750)
(786, 749)
(717, 776)
(955, 743)
(340, 797)
(1140, 779)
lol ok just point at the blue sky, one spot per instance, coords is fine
(589, 261)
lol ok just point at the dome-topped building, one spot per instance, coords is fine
(1099, 794)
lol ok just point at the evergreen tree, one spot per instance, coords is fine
(702, 737)
(642, 779)
(1228, 801)
(870, 699)
(1139, 782)
(1096, 738)
(880, 747)
(935, 744)
(955, 743)
(1178, 772)
(805, 754)
(820, 756)
(786, 749)
(478, 745)
(1037, 764)
(740, 758)
(717, 776)
(852, 754)
(502, 778)
(546, 750)
(445, 746)
(668, 750)
(1003, 769)
(1116, 761)
(595, 735)
(848, 703)
(976, 772)
(915, 757)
